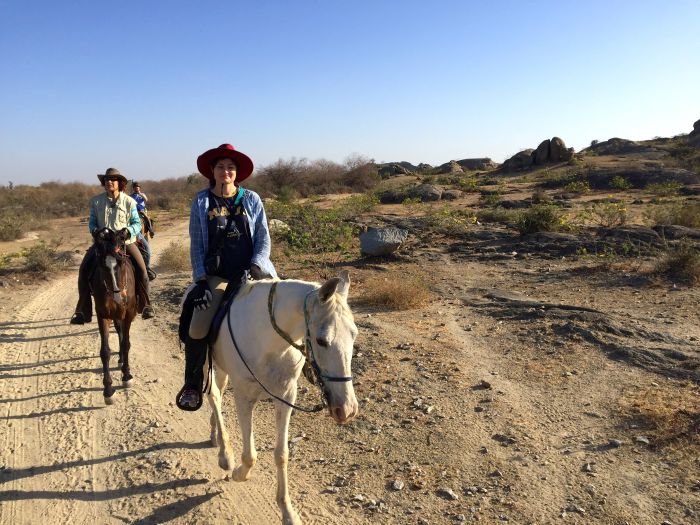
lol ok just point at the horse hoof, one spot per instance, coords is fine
(225, 462)
(109, 400)
(239, 475)
(128, 383)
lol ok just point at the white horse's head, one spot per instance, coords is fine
(333, 332)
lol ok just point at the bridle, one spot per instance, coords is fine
(120, 255)
(311, 370)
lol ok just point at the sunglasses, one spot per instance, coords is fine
(111, 179)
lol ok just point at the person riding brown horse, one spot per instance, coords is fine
(114, 287)
(115, 210)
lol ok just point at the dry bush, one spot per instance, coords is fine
(678, 213)
(43, 258)
(669, 416)
(681, 262)
(400, 293)
(288, 179)
(174, 258)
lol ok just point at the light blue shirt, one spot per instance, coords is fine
(115, 214)
(199, 232)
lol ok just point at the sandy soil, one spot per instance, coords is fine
(506, 398)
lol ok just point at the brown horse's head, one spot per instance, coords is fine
(110, 243)
(110, 252)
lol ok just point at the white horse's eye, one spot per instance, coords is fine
(322, 341)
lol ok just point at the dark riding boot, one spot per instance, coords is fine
(190, 396)
(83, 310)
(142, 283)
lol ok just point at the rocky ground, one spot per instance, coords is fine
(537, 384)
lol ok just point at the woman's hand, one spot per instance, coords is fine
(256, 273)
(200, 295)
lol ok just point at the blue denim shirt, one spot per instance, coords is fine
(199, 233)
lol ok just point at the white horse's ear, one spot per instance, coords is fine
(328, 289)
(344, 286)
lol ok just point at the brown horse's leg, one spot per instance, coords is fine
(124, 347)
(108, 391)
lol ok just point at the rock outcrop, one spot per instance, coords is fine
(550, 150)
(451, 167)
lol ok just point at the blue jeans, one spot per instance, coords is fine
(147, 258)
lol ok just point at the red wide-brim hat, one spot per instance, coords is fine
(225, 151)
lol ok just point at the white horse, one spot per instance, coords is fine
(253, 350)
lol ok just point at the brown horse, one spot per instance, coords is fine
(146, 226)
(114, 289)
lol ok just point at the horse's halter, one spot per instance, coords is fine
(119, 254)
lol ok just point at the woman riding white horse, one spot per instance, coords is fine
(229, 241)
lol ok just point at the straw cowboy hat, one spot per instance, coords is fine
(225, 151)
(111, 172)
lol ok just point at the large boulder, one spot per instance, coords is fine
(277, 226)
(484, 163)
(393, 169)
(450, 195)
(426, 193)
(696, 128)
(541, 154)
(558, 151)
(382, 241)
(451, 167)
(519, 161)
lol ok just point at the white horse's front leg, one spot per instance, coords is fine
(282, 415)
(220, 382)
(217, 420)
(244, 408)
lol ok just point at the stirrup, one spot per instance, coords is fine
(187, 407)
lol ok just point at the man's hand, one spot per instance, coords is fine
(200, 295)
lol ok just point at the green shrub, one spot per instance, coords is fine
(663, 189)
(620, 183)
(411, 201)
(538, 218)
(313, 230)
(357, 204)
(490, 199)
(608, 214)
(496, 215)
(451, 221)
(468, 184)
(578, 186)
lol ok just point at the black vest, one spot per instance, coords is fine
(229, 236)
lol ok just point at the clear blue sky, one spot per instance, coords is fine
(146, 86)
